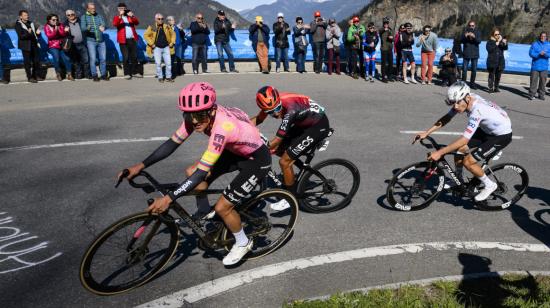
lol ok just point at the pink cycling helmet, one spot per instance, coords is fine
(197, 96)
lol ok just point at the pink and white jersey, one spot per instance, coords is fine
(488, 116)
(230, 131)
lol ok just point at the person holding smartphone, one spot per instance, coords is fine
(127, 38)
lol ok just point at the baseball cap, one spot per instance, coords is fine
(280, 14)
(221, 12)
(355, 19)
(259, 18)
(317, 14)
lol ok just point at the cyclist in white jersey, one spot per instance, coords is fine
(489, 129)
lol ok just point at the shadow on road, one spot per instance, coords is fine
(483, 288)
(538, 225)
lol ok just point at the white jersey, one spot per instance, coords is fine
(486, 115)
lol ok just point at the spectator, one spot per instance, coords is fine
(27, 35)
(428, 41)
(318, 28)
(160, 43)
(3, 80)
(127, 38)
(222, 29)
(56, 33)
(447, 71)
(199, 38)
(78, 52)
(386, 50)
(406, 41)
(177, 57)
(355, 33)
(539, 52)
(259, 35)
(300, 44)
(93, 25)
(347, 46)
(398, 54)
(281, 30)
(471, 38)
(369, 47)
(495, 59)
(333, 45)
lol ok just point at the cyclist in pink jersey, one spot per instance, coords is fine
(234, 144)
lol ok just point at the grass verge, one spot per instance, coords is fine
(504, 291)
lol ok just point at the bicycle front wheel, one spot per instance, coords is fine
(415, 186)
(330, 187)
(268, 219)
(128, 254)
(512, 180)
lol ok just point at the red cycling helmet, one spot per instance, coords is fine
(268, 98)
(196, 97)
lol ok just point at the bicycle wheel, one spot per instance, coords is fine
(128, 254)
(268, 228)
(330, 188)
(512, 180)
(415, 186)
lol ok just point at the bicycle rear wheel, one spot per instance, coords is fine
(268, 228)
(128, 254)
(512, 180)
(329, 189)
(415, 186)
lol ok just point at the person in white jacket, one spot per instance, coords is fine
(333, 34)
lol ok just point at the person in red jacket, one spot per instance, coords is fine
(127, 38)
(56, 33)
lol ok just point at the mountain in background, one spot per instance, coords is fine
(183, 10)
(519, 21)
(337, 9)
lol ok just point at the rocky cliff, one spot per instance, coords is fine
(183, 10)
(520, 20)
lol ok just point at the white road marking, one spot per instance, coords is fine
(444, 133)
(222, 284)
(425, 282)
(73, 144)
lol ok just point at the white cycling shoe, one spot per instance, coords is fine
(237, 253)
(280, 205)
(486, 192)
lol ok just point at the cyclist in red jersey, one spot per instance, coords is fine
(234, 144)
(304, 124)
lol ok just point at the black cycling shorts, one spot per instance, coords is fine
(487, 145)
(251, 172)
(300, 141)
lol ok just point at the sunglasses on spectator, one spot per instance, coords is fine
(160, 18)
(70, 14)
(199, 17)
(300, 22)
(471, 25)
(274, 110)
(53, 19)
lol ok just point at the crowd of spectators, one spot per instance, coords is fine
(77, 45)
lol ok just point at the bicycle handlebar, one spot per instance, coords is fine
(432, 141)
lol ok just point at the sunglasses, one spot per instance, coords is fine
(53, 19)
(197, 117)
(274, 110)
(199, 17)
(70, 14)
(160, 18)
(451, 103)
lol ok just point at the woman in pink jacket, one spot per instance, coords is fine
(56, 33)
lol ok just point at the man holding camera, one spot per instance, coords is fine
(199, 38)
(318, 28)
(281, 30)
(222, 29)
(127, 38)
(471, 38)
(259, 35)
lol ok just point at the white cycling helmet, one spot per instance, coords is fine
(456, 92)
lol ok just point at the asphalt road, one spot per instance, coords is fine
(55, 200)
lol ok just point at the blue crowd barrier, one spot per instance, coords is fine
(517, 56)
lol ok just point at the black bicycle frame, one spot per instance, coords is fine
(154, 185)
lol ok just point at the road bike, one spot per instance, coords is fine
(134, 249)
(328, 186)
(416, 186)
